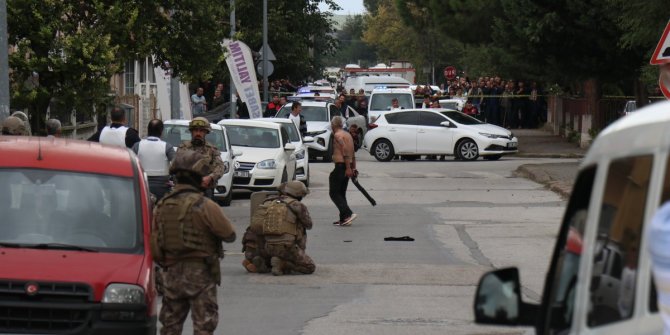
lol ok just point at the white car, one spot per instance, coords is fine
(176, 131)
(301, 152)
(381, 100)
(318, 114)
(437, 132)
(269, 156)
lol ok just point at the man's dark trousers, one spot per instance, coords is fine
(338, 182)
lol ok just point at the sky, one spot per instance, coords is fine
(349, 7)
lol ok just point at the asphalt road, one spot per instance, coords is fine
(466, 218)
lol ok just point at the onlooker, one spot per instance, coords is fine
(53, 128)
(218, 98)
(273, 106)
(117, 133)
(298, 118)
(12, 125)
(345, 165)
(155, 156)
(199, 102)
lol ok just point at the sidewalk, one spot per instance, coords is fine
(558, 177)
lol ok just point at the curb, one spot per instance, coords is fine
(548, 155)
(536, 174)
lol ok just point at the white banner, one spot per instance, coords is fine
(241, 67)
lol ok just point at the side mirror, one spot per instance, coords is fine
(237, 153)
(446, 124)
(308, 139)
(289, 147)
(498, 300)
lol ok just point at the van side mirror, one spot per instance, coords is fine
(498, 300)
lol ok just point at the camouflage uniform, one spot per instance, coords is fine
(287, 251)
(213, 154)
(186, 240)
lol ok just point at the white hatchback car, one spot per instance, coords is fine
(301, 152)
(176, 131)
(269, 157)
(415, 132)
(318, 114)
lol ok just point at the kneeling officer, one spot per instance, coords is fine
(282, 221)
(186, 240)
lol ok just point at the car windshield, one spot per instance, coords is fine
(250, 136)
(461, 118)
(311, 113)
(382, 101)
(78, 211)
(175, 134)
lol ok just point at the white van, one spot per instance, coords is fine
(599, 279)
(380, 101)
(368, 83)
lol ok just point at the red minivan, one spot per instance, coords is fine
(74, 239)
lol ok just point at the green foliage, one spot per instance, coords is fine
(351, 48)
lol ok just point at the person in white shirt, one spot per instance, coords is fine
(297, 118)
(199, 102)
(155, 156)
(117, 133)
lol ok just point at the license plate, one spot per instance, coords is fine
(512, 144)
(244, 174)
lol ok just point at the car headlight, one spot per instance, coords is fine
(314, 133)
(123, 294)
(267, 164)
(226, 167)
(123, 302)
(300, 154)
(492, 135)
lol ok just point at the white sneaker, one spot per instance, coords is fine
(349, 220)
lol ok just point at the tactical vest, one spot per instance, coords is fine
(274, 217)
(114, 136)
(153, 158)
(178, 234)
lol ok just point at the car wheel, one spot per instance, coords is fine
(467, 150)
(227, 200)
(383, 150)
(492, 157)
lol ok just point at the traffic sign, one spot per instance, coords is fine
(662, 52)
(450, 72)
(664, 80)
(270, 67)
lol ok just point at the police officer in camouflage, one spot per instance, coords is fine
(199, 128)
(186, 241)
(285, 245)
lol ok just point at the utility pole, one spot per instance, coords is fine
(265, 50)
(233, 97)
(4, 64)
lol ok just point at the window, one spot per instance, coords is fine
(614, 273)
(430, 119)
(258, 137)
(176, 134)
(129, 78)
(665, 197)
(565, 263)
(408, 118)
(55, 207)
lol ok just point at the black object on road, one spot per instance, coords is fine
(354, 179)
(403, 238)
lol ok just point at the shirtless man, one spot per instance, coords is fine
(345, 165)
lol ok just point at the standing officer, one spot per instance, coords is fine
(285, 231)
(199, 128)
(186, 240)
(155, 156)
(117, 133)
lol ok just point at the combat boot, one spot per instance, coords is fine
(277, 266)
(260, 264)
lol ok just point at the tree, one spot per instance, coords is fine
(298, 33)
(66, 51)
(351, 48)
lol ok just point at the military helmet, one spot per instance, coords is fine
(200, 122)
(294, 188)
(190, 161)
(13, 126)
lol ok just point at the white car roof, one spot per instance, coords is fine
(275, 119)
(310, 103)
(249, 122)
(186, 122)
(382, 90)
